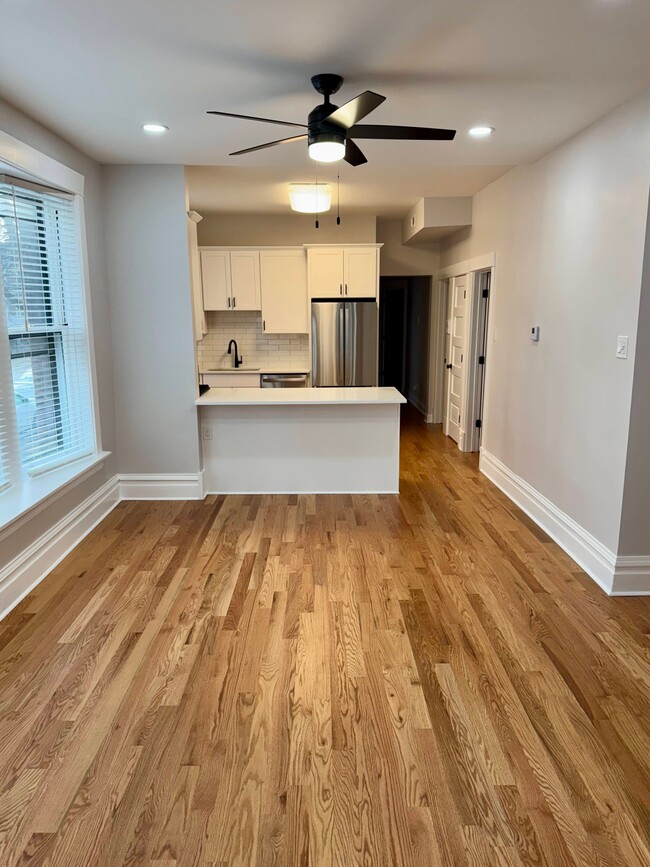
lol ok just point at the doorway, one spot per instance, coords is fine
(404, 312)
(478, 349)
(465, 341)
(393, 293)
(455, 358)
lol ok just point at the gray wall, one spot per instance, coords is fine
(28, 131)
(569, 234)
(635, 520)
(149, 284)
(398, 260)
(234, 230)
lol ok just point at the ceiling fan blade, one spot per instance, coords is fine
(269, 144)
(261, 119)
(353, 111)
(353, 154)
(408, 133)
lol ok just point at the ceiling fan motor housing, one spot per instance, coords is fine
(319, 130)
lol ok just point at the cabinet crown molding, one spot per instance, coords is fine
(374, 246)
(225, 247)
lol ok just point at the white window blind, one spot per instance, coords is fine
(46, 412)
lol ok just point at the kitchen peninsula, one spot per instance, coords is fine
(307, 440)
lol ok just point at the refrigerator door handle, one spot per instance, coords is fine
(340, 344)
(350, 343)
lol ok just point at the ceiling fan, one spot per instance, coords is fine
(331, 130)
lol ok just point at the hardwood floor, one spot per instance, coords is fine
(372, 680)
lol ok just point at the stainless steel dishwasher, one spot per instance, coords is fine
(284, 380)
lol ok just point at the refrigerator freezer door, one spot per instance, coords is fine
(360, 343)
(327, 343)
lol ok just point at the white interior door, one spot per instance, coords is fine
(455, 356)
(245, 277)
(215, 275)
(360, 272)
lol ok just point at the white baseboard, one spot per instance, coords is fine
(590, 554)
(631, 576)
(165, 486)
(617, 575)
(299, 493)
(28, 569)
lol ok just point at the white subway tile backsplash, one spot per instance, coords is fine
(254, 345)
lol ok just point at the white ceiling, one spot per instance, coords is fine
(537, 70)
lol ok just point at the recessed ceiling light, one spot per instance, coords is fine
(481, 131)
(155, 128)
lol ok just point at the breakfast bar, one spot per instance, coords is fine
(306, 440)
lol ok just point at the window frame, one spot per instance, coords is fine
(25, 493)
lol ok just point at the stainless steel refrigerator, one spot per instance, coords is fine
(344, 342)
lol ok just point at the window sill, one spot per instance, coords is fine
(26, 499)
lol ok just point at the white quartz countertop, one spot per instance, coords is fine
(263, 368)
(299, 396)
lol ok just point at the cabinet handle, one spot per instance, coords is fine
(263, 324)
(340, 288)
(229, 301)
(346, 288)
(234, 302)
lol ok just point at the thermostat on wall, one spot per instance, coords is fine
(534, 333)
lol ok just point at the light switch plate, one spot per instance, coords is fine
(621, 347)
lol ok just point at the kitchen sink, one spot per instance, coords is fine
(231, 369)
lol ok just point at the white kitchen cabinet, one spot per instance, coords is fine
(215, 276)
(338, 272)
(360, 272)
(245, 279)
(284, 291)
(325, 270)
(231, 380)
(231, 279)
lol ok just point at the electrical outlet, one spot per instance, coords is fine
(621, 347)
(206, 432)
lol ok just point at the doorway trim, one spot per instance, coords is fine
(437, 328)
(473, 268)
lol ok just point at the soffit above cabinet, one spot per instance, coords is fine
(434, 218)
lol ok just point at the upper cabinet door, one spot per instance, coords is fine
(245, 279)
(284, 291)
(325, 272)
(215, 274)
(360, 272)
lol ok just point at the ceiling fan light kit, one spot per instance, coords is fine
(331, 130)
(326, 148)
